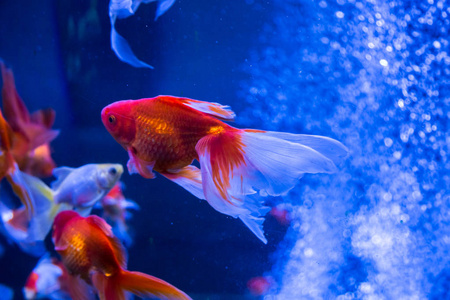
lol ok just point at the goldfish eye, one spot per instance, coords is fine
(111, 119)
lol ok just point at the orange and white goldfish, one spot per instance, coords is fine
(77, 189)
(238, 167)
(90, 251)
(48, 280)
(115, 212)
(31, 133)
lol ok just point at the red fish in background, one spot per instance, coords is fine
(238, 167)
(115, 212)
(32, 133)
(261, 285)
(49, 280)
(281, 214)
(9, 168)
(90, 251)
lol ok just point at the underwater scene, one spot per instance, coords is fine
(247, 149)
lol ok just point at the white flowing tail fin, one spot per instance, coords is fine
(237, 165)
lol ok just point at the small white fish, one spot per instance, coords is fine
(123, 9)
(78, 189)
(47, 280)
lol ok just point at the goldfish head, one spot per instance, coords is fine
(60, 222)
(119, 121)
(108, 175)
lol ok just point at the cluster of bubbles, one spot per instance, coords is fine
(376, 76)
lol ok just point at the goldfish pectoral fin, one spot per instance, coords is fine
(190, 178)
(83, 211)
(255, 225)
(217, 110)
(123, 50)
(163, 6)
(139, 166)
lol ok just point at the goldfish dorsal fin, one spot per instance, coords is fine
(117, 246)
(61, 174)
(217, 110)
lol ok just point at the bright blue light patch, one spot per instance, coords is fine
(376, 77)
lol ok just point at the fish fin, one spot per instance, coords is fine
(130, 204)
(328, 147)
(123, 50)
(163, 6)
(15, 221)
(255, 224)
(45, 117)
(83, 211)
(79, 289)
(61, 174)
(140, 166)
(222, 112)
(189, 178)
(15, 110)
(45, 208)
(117, 246)
(19, 186)
(140, 284)
(240, 167)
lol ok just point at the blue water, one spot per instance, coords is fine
(374, 75)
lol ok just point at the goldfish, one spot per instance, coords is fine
(9, 168)
(30, 134)
(90, 251)
(74, 188)
(115, 206)
(238, 167)
(123, 9)
(260, 285)
(48, 280)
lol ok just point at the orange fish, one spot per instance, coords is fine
(9, 168)
(90, 251)
(238, 166)
(31, 132)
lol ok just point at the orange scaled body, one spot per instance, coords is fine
(89, 250)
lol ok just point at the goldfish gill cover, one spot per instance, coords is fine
(374, 75)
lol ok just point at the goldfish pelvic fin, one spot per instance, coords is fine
(79, 289)
(143, 285)
(241, 167)
(217, 110)
(140, 166)
(189, 178)
(163, 6)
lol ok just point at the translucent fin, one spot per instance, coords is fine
(217, 110)
(142, 167)
(326, 146)
(255, 225)
(45, 208)
(240, 167)
(61, 174)
(189, 178)
(163, 6)
(123, 50)
(140, 284)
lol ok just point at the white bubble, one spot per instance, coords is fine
(384, 62)
(308, 252)
(388, 142)
(339, 14)
(436, 44)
